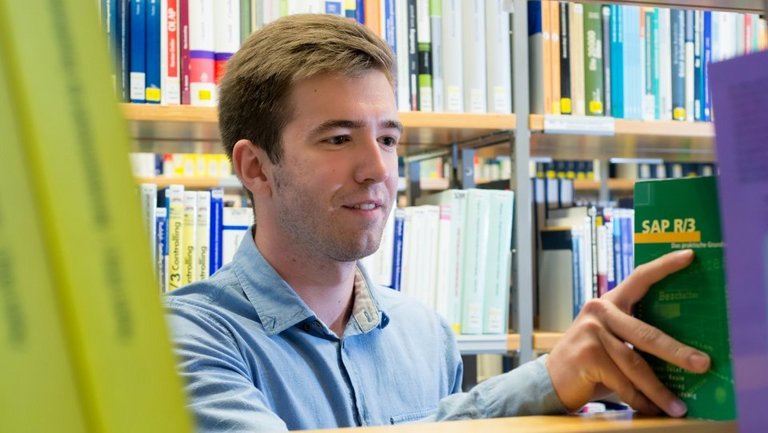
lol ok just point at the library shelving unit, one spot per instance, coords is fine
(194, 129)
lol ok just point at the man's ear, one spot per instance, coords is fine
(253, 168)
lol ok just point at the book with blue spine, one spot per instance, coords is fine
(217, 211)
(161, 247)
(138, 44)
(706, 105)
(617, 61)
(397, 249)
(153, 92)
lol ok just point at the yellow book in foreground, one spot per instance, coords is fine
(76, 154)
(37, 386)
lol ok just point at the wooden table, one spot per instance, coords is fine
(556, 424)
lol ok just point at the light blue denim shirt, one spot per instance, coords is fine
(256, 358)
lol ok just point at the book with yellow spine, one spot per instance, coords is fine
(36, 367)
(76, 149)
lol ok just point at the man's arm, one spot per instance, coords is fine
(219, 389)
(594, 356)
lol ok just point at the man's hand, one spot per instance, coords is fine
(594, 357)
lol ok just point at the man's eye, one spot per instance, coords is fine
(388, 141)
(339, 139)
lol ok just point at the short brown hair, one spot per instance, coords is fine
(254, 92)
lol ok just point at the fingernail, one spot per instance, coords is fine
(685, 253)
(699, 361)
(677, 409)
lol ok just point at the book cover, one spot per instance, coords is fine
(37, 369)
(96, 243)
(738, 86)
(689, 305)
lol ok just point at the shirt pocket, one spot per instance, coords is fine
(411, 416)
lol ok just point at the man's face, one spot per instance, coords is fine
(337, 180)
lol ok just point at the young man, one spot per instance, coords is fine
(293, 334)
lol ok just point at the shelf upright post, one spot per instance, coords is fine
(413, 179)
(522, 319)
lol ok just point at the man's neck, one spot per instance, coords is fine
(326, 286)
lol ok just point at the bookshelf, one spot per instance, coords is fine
(170, 128)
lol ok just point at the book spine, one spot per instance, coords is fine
(617, 61)
(246, 15)
(475, 243)
(185, 60)
(649, 48)
(403, 57)
(424, 49)
(153, 90)
(698, 65)
(576, 19)
(189, 236)
(235, 224)
(226, 36)
(201, 53)
(438, 68)
(171, 80)
(413, 56)
(497, 52)
(161, 248)
(397, 250)
(453, 57)
(499, 248)
(551, 29)
(217, 210)
(138, 59)
(677, 25)
(473, 43)
(689, 33)
(706, 106)
(203, 236)
(565, 59)
(371, 11)
(593, 67)
(174, 197)
(606, 47)
(665, 65)
(123, 50)
(148, 193)
(538, 72)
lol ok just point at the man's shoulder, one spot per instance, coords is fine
(220, 292)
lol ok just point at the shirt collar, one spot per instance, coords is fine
(279, 307)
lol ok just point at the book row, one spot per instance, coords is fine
(453, 55)
(584, 252)
(191, 233)
(631, 62)
(452, 252)
(148, 164)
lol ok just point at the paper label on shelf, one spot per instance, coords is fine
(582, 125)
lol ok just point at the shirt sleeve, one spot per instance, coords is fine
(220, 391)
(526, 390)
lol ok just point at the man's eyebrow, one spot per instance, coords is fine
(353, 124)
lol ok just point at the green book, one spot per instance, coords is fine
(593, 61)
(690, 305)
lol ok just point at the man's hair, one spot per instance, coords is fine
(254, 92)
